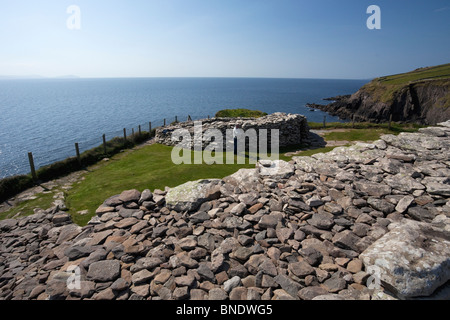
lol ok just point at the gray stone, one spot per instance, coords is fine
(130, 196)
(276, 169)
(411, 260)
(76, 252)
(189, 196)
(301, 269)
(199, 217)
(404, 203)
(231, 284)
(421, 214)
(103, 271)
(373, 189)
(335, 283)
(268, 221)
(322, 221)
(288, 285)
(205, 272)
(8, 224)
(381, 205)
(346, 240)
(308, 293)
(217, 294)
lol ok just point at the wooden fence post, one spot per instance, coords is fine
(125, 134)
(33, 170)
(164, 122)
(176, 119)
(104, 143)
(77, 150)
(150, 127)
(140, 131)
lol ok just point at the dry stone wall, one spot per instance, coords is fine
(293, 129)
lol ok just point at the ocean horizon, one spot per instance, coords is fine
(47, 116)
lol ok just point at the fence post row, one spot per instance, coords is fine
(77, 148)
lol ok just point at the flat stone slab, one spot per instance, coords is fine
(412, 260)
(189, 196)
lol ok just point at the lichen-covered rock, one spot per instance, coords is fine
(413, 258)
(189, 196)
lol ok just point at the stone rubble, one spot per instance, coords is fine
(370, 221)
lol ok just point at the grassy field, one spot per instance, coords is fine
(151, 167)
(383, 89)
(236, 113)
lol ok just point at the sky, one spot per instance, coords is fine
(221, 38)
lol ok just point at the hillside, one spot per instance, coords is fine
(420, 96)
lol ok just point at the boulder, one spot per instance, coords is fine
(189, 196)
(413, 259)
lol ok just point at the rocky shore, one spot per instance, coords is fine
(369, 221)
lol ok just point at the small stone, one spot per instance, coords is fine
(130, 196)
(181, 293)
(187, 243)
(106, 294)
(231, 284)
(314, 201)
(205, 272)
(141, 276)
(243, 253)
(280, 294)
(335, 283)
(355, 266)
(217, 294)
(103, 271)
(268, 221)
(404, 204)
(238, 294)
(333, 208)
(346, 240)
(253, 209)
(308, 293)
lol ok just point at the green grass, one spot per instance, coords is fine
(308, 153)
(150, 167)
(237, 113)
(396, 128)
(42, 201)
(356, 135)
(384, 88)
(435, 72)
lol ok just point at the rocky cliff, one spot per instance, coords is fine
(356, 223)
(419, 97)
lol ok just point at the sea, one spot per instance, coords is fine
(48, 116)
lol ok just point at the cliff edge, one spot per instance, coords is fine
(420, 96)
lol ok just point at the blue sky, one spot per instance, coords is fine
(222, 38)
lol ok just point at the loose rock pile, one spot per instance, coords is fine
(350, 224)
